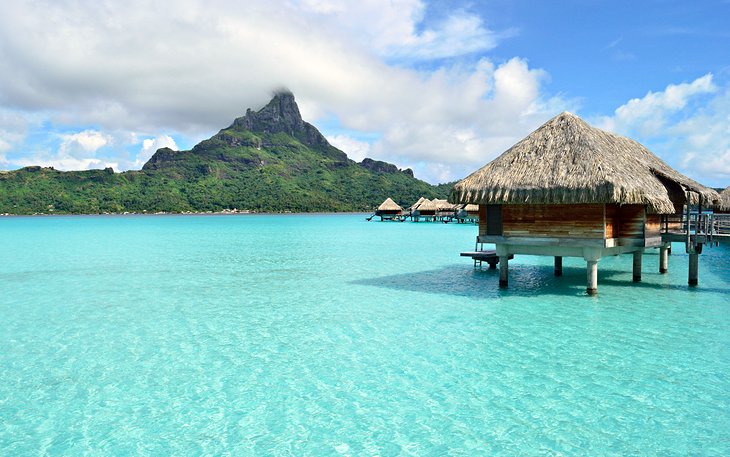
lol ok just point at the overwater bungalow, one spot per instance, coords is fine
(445, 211)
(436, 210)
(412, 211)
(572, 190)
(467, 213)
(388, 210)
(422, 208)
(415, 206)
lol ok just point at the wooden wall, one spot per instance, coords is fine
(589, 221)
(554, 221)
(490, 220)
(632, 219)
(612, 221)
(482, 220)
(653, 226)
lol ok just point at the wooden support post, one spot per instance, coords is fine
(502, 252)
(688, 242)
(592, 270)
(694, 263)
(503, 271)
(663, 259)
(558, 266)
(637, 264)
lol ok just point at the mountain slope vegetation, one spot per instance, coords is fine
(268, 160)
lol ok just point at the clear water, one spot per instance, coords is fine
(328, 335)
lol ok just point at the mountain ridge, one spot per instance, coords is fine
(267, 160)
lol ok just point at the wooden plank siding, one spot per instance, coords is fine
(490, 220)
(632, 219)
(581, 221)
(612, 221)
(554, 221)
(653, 226)
(482, 220)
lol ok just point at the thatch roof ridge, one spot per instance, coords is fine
(436, 205)
(389, 205)
(417, 204)
(421, 203)
(568, 161)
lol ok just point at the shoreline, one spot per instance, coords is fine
(187, 213)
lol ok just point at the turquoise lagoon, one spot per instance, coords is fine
(328, 335)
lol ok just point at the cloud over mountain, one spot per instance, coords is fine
(143, 69)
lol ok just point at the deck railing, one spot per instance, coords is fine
(702, 228)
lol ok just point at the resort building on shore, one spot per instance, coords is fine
(572, 190)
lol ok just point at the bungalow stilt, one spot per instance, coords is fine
(694, 263)
(592, 270)
(663, 258)
(638, 254)
(558, 265)
(504, 256)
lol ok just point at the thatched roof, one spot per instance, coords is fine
(567, 161)
(417, 204)
(444, 205)
(724, 204)
(420, 203)
(389, 205)
(436, 205)
(471, 208)
(429, 205)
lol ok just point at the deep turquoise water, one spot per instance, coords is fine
(328, 335)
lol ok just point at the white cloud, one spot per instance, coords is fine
(74, 151)
(648, 115)
(83, 143)
(13, 129)
(118, 67)
(391, 28)
(355, 149)
(149, 147)
(65, 163)
(687, 124)
(472, 118)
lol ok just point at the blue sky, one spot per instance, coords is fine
(441, 87)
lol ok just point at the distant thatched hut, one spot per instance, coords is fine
(445, 211)
(467, 213)
(428, 208)
(388, 209)
(415, 206)
(569, 189)
(418, 206)
(472, 210)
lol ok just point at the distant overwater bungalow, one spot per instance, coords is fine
(423, 209)
(572, 190)
(468, 213)
(388, 210)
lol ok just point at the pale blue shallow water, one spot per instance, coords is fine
(328, 335)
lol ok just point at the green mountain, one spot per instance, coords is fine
(268, 160)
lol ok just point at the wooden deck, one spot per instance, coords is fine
(489, 255)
